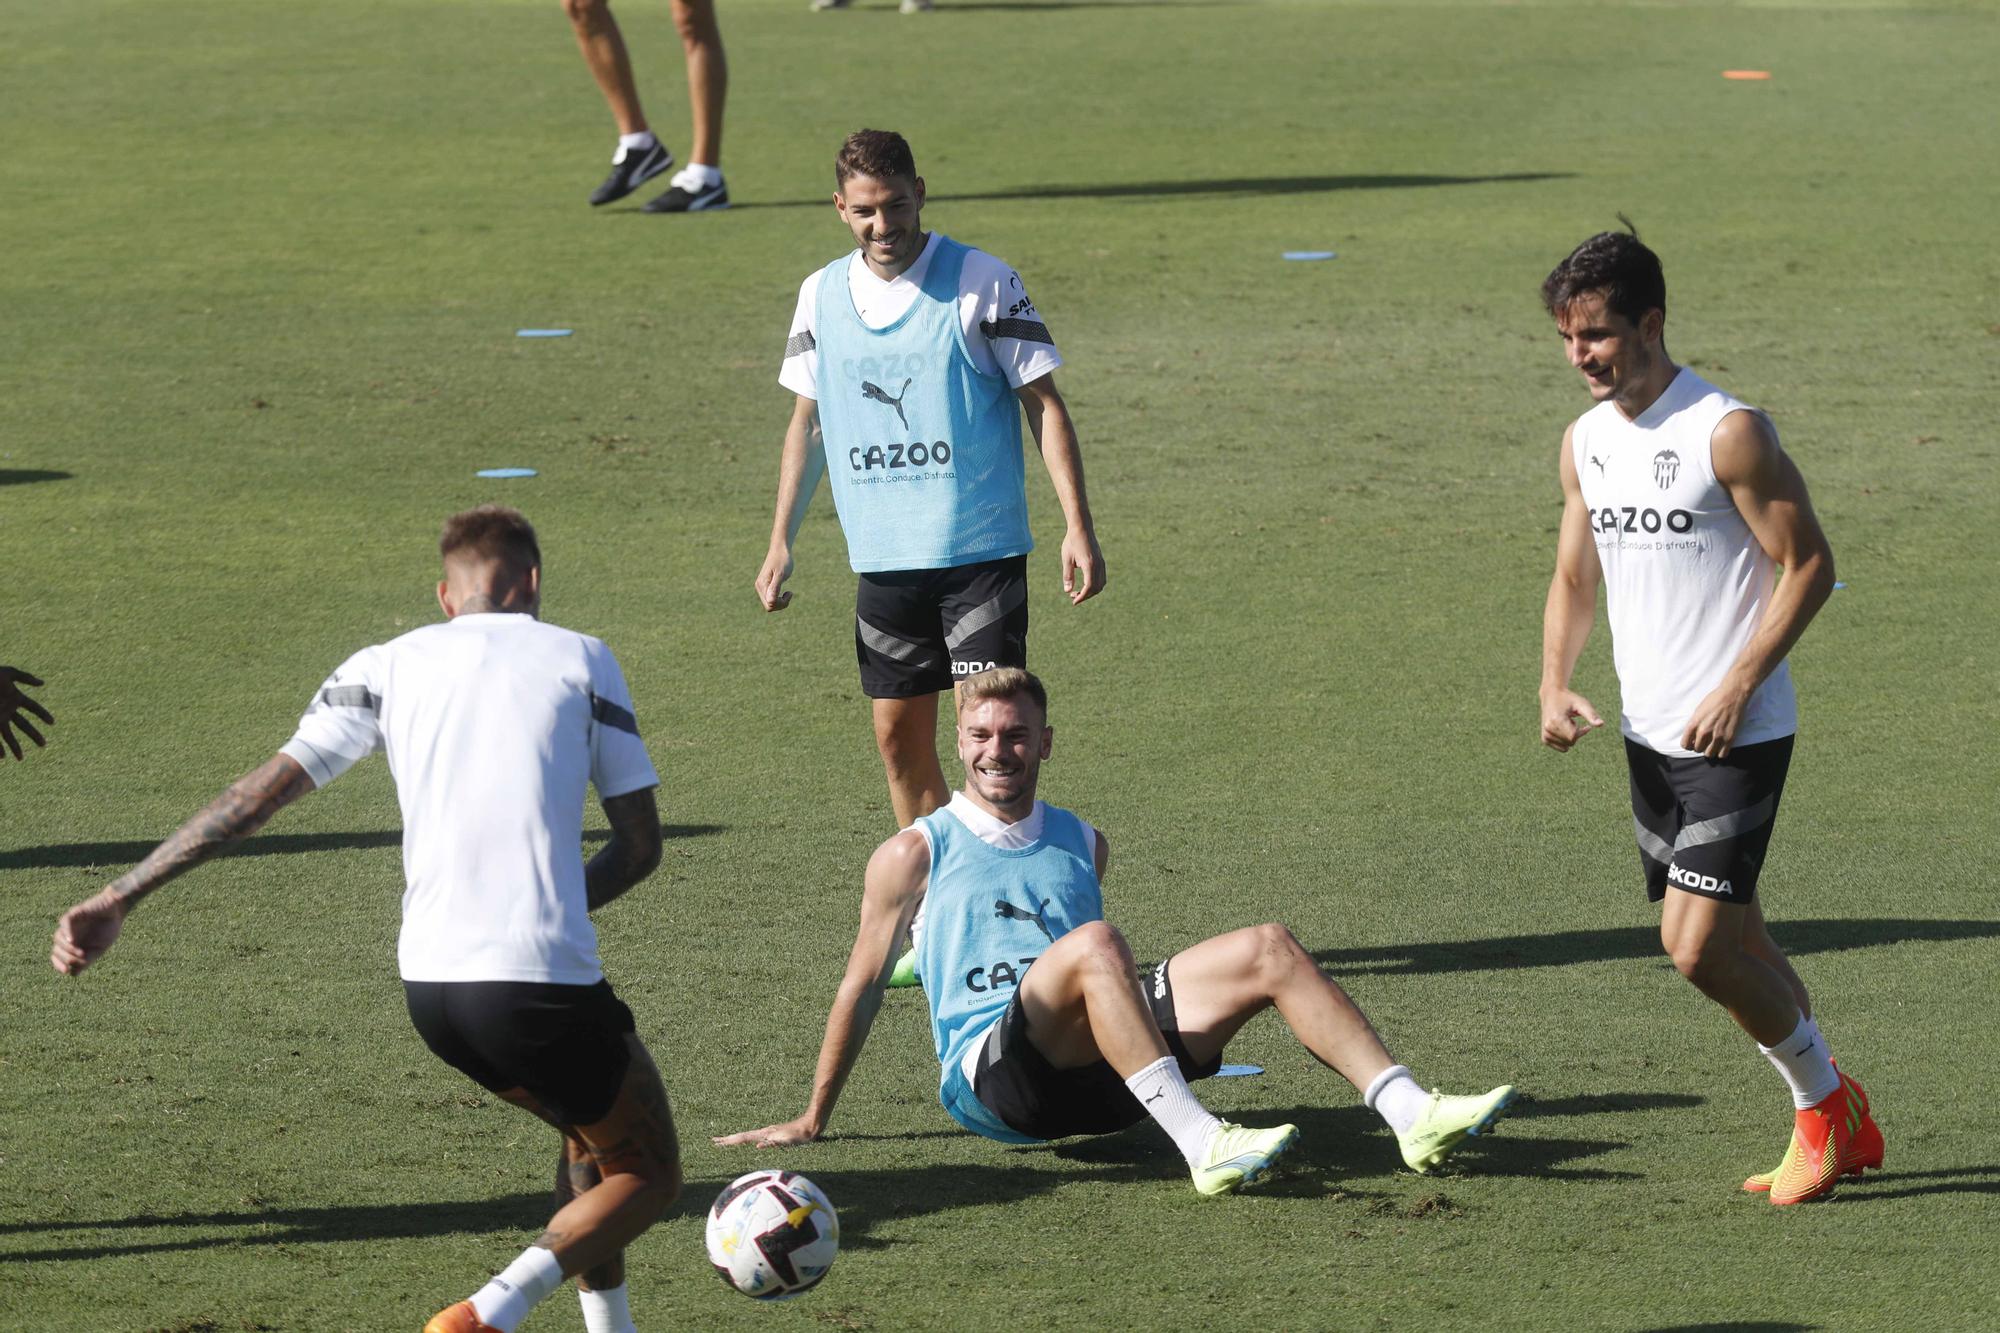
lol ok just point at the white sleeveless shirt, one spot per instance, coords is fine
(1686, 582)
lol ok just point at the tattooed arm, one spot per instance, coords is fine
(633, 852)
(89, 928)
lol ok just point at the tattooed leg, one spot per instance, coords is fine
(577, 1174)
(636, 1157)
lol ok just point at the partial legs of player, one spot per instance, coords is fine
(698, 187)
(603, 47)
(1726, 951)
(1221, 983)
(1090, 1005)
(906, 736)
(1710, 941)
(707, 75)
(631, 1161)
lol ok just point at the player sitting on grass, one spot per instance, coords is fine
(493, 723)
(1044, 1026)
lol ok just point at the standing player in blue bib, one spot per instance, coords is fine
(1678, 498)
(913, 359)
(1044, 1026)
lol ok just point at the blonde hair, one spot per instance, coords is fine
(1002, 683)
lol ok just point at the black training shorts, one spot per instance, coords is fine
(1033, 1097)
(564, 1044)
(1703, 824)
(917, 631)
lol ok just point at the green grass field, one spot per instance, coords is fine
(264, 266)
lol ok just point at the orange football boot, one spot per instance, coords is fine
(1823, 1144)
(1865, 1151)
(460, 1318)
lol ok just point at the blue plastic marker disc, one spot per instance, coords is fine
(542, 333)
(1304, 255)
(506, 472)
(1238, 1071)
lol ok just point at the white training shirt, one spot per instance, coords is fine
(1686, 582)
(493, 723)
(1003, 332)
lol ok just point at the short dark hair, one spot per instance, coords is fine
(877, 153)
(492, 534)
(1614, 264)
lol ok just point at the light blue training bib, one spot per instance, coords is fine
(923, 452)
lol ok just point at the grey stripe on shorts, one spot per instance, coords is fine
(1651, 844)
(1731, 825)
(889, 645)
(979, 617)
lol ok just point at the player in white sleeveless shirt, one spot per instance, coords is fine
(1678, 498)
(494, 725)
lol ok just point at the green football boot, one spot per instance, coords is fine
(1450, 1121)
(1236, 1156)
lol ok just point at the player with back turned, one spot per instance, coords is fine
(1678, 498)
(494, 724)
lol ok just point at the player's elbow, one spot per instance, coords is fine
(1813, 567)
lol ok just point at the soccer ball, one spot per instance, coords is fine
(772, 1235)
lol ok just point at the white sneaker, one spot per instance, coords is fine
(917, 6)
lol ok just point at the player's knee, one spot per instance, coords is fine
(906, 748)
(1104, 943)
(587, 14)
(695, 20)
(1276, 944)
(1701, 961)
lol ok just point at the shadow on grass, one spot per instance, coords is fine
(866, 1198)
(1945, 1180)
(292, 1226)
(1168, 189)
(1352, 1142)
(1341, 1147)
(1563, 948)
(1735, 1326)
(267, 844)
(22, 476)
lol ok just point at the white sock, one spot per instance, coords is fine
(1165, 1095)
(506, 1300)
(1806, 1066)
(1397, 1098)
(633, 143)
(701, 174)
(606, 1310)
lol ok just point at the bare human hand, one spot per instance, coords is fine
(1567, 717)
(771, 1136)
(1082, 566)
(86, 931)
(771, 580)
(1713, 725)
(13, 704)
